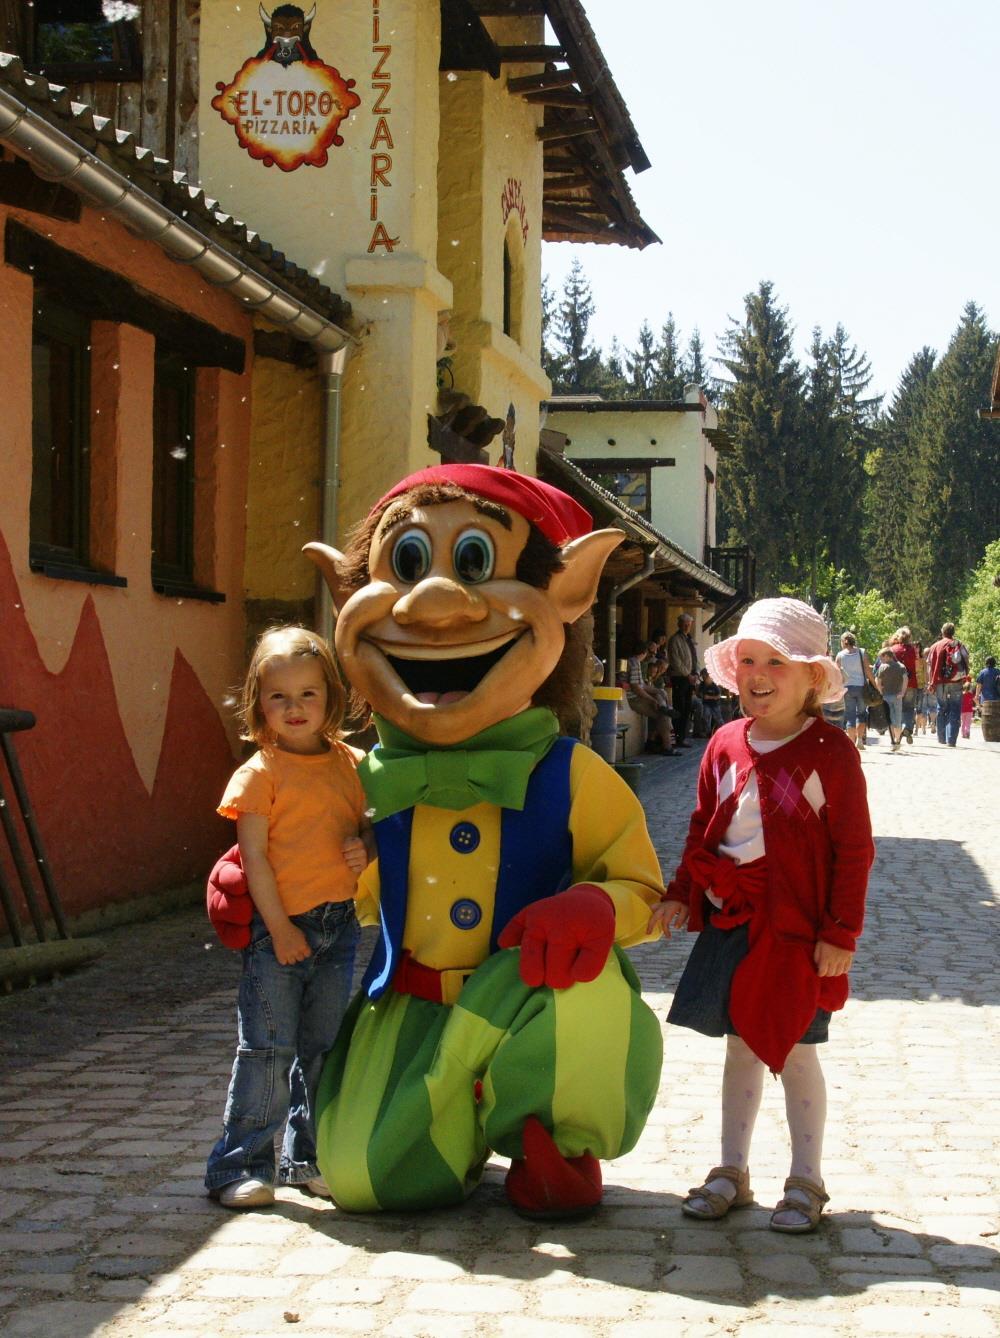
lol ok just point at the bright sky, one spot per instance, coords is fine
(844, 150)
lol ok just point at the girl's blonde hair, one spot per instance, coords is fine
(289, 643)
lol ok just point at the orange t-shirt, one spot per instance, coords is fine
(312, 803)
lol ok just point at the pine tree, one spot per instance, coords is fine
(956, 493)
(549, 360)
(668, 373)
(854, 417)
(577, 369)
(889, 498)
(613, 381)
(758, 487)
(640, 365)
(694, 368)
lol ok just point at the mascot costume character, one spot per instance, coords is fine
(498, 1011)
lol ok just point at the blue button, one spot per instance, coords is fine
(464, 837)
(466, 914)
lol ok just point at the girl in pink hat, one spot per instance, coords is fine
(773, 878)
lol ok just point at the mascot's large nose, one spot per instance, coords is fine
(440, 602)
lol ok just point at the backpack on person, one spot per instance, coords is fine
(892, 677)
(952, 662)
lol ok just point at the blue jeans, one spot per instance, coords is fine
(288, 1019)
(909, 709)
(949, 716)
(894, 705)
(854, 707)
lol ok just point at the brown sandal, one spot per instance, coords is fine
(817, 1197)
(717, 1204)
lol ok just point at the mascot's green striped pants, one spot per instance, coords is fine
(416, 1094)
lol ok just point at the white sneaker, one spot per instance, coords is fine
(242, 1194)
(317, 1187)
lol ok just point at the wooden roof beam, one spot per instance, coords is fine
(541, 83)
(556, 185)
(556, 134)
(530, 55)
(508, 9)
(558, 97)
(570, 220)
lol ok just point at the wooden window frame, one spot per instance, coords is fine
(53, 319)
(592, 466)
(127, 67)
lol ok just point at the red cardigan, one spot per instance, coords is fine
(816, 872)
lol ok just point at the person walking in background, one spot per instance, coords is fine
(890, 675)
(920, 701)
(968, 708)
(683, 664)
(948, 666)
(988, 682)
(906, 653)
(852, 661)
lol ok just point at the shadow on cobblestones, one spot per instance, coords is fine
(931, 927)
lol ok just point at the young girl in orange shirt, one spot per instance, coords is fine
(302, 831)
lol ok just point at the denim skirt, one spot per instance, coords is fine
(702, 998)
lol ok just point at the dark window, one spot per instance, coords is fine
(173, 468)
(508, 284)
(60, 446)
(84, 40)
(629, 485)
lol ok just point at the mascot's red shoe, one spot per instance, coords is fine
(544, 1184)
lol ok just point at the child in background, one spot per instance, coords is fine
(968, 708)
(773, 875)
(890, 674)
(303, 838)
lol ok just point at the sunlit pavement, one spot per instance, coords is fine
(104, 1228)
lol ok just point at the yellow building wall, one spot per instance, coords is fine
(327, 219)
(489, 189)
(284, 502)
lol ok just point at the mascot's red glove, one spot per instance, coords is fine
(563, 938)
(230, 906)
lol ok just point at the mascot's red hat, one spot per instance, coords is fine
(558, 517)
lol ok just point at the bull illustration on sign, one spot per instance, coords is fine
(285, 104)
(286, 30)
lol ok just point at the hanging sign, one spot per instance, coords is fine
(285, 104)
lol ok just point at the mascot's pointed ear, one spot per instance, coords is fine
(574, 589)
(330, 563)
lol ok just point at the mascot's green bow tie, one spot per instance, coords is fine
(493, 767)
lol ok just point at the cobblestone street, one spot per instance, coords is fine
(113, 1082)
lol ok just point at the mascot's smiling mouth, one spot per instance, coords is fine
(444, 680)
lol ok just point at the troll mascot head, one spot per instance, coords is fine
(498, 1012)
(454, 596)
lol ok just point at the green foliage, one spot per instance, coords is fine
(640, 363)
(869, 615)
(574, 364)
(952, 456)
(668, 373)
(833, 493)
(890, 472)
(759, 483)
(979, 620)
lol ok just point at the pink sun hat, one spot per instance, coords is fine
(794, 630)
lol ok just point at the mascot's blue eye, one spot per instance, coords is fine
(411, 556)
(474, 557)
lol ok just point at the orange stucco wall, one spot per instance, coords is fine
(134, 739)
